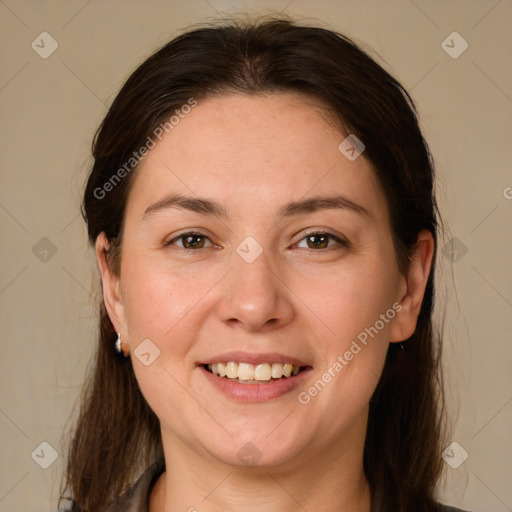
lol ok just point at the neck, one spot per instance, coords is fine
(328, 480)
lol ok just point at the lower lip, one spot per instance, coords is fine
(255, 392)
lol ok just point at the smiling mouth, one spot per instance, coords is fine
(245, 373)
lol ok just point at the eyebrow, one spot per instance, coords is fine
(208, 207)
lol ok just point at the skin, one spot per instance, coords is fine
(253, 155)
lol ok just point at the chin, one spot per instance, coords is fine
(256, 451)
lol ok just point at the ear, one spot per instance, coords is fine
(413, 288)
(110, 286)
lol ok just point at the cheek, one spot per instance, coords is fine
(356, 343)
(164, 304)
(354, 297)
(159, 306)
(149, 300)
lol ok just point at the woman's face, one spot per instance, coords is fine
(255, 284)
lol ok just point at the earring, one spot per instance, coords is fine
(119, 346)
(401, 346)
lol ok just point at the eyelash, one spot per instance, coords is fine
(339, 241)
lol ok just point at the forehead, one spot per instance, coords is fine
(257, 149)
(239, 125)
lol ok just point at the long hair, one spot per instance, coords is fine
(117, 435)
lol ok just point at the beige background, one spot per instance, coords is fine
(50, 109)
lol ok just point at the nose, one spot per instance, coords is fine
(254, 296)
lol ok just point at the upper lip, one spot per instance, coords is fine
(253, 358)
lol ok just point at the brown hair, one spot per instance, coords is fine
(117, 435)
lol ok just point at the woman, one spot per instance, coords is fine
(261, 205)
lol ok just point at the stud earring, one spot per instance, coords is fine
(120, 346)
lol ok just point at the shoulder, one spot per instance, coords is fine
(136, 498)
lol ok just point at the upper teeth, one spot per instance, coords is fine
(246, 371)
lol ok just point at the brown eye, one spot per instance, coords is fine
(190, 241)
(317, 241)
(321, 240)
